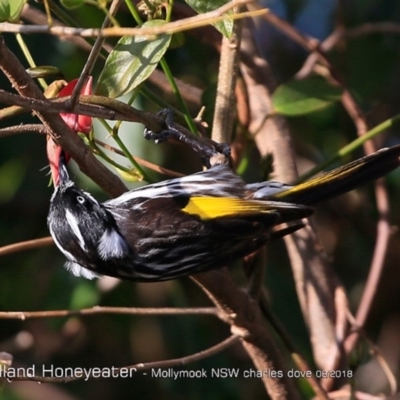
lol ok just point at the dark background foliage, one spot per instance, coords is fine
(35, 280)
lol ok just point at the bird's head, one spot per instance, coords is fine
(82, 228)
(74, 205)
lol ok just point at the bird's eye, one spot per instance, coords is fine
(80, 199)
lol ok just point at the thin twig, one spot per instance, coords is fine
(40, 129)
(141, 161)
(94, 54)
(245, 318)
(350, 104)
(191, 93)
(59, 131)
(316, 283)
(351, 33)
(376, 267)
(296, 355)
(27, 245)
(93, 106)
(102, 107)
(24, 315)
(169, 28)
(225, 104)
(391, 378)
(176, 362)
(357, 395)
(19, 129)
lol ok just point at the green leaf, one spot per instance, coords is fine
(305, 96)
(132, 61)
(12, 173)
(70, 4)
(10, 10)
(203, 6)
(84, 295)
(4, 10)
(177, 40)
(16, 9)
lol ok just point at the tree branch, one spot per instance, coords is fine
(56, 127)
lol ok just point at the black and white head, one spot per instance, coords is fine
(83, 229)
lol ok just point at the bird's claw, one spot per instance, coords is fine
(210, 152)
(165, 134)
(158, 137)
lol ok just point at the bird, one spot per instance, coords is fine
(191, 224)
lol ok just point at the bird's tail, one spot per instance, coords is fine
(335, 182)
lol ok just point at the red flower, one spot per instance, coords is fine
(78, 123)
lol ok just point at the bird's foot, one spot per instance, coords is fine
(210, 152)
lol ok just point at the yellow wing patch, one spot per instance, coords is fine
(217, 207)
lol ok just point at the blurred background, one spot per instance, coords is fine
(35, 280)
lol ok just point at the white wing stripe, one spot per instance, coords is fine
(73, 223)
(218, 181)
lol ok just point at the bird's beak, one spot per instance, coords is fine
(53, 155)
(63, 175)
(56, 157)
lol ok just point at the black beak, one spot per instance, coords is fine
(62, 168)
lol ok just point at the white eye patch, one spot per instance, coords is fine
(80, 199)
(112, 245)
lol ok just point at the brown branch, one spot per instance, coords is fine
(246, 320)
(359, 120)
(313, 58)
(224, 112)
(101, 107)
(40, 129)
(358, 395)
(24, 315)
(192, 94)
(231, 340)
(93, 106)
(59, 131)
(317, 286)
(169, 28)
(383, 225)
(371, 28)
(240, 310)
(314, 46)
(94, 54)
(351, 33)
(37, 17)
(27, 245)
(375, 271)
(297, 357)
(176, 362)
(19, 129)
